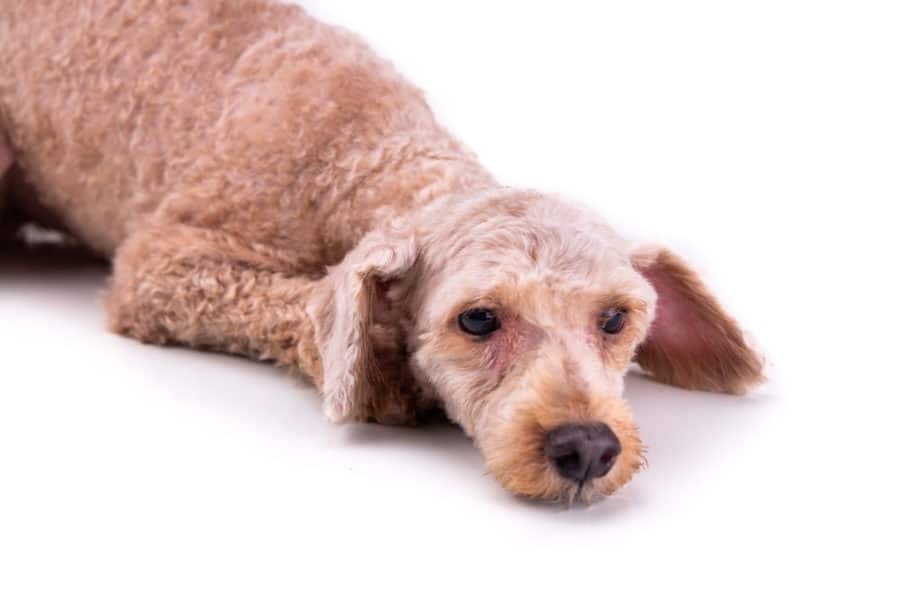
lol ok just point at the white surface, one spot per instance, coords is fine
(778, 146)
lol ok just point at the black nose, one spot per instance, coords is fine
(582, 451)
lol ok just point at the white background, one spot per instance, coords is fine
(778, 145)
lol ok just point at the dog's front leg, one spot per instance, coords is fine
(186, 285)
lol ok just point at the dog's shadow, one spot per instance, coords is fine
(677, 426)
(38, 257)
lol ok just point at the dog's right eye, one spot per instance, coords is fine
(479, 321)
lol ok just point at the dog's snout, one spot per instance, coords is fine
(581, 452)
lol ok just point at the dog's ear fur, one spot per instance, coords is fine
(360, 334)
(692, 343)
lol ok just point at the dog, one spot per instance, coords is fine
(266, 185)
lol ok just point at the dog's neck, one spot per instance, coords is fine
(400, 176)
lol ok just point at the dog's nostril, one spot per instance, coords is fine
(569, 464)
(582, 451)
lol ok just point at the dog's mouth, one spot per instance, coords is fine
(586, 492)
(580, 493)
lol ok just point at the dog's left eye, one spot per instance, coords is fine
(613, 321)
(478, 321)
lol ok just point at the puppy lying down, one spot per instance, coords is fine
(266, 185)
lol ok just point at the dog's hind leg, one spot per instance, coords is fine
(178, 284)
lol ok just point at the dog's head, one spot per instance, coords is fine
(520, 316)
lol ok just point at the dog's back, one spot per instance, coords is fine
(203, 111)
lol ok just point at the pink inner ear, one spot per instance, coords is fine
(679, 325)
(693, 343)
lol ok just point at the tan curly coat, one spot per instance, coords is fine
(266, 185)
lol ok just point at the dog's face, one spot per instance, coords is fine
(520, 316)
(525, 330)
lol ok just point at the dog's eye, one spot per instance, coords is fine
(613, 321)
(478, 321)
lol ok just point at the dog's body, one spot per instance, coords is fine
(266, 185)
(201, 113)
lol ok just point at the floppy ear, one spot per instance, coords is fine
(693, 342)
(359, 333)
